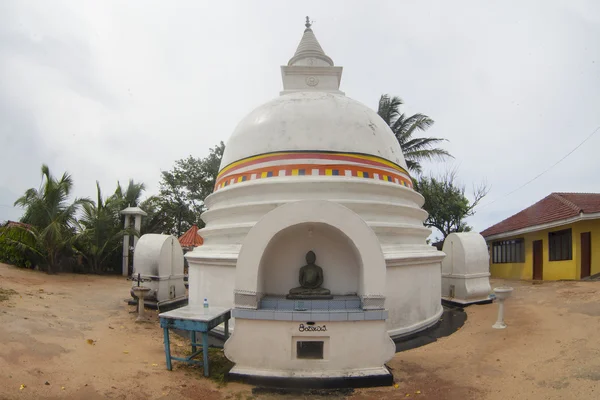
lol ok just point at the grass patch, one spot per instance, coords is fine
(6, 293)
(218, 363)
(219, 366)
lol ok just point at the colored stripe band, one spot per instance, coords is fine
(314, 170)
(316, 155)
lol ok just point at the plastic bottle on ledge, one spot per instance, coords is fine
(205, 306)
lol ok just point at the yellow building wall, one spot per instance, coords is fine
(552, 270)
(592, 226)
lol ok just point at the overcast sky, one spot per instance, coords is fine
(112, 90)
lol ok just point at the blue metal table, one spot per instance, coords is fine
(193, 319)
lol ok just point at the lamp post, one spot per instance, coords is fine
(137, 214)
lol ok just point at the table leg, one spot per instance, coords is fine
(205, 352)
(193, 339)
(167, 348)
(226, 329)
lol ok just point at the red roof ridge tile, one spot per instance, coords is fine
(555, 207)
(191, 238)
(10, 224)
(576, 193)
(565, 201)
(485, 231)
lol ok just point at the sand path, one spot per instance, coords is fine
(551, 349)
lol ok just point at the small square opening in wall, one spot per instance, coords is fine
(309, 350)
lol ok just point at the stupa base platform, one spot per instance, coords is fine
(463, 303)
(370, 377)
(162, 306)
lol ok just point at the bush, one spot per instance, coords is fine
(10, 254)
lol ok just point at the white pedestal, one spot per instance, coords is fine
(502, 293)
(140, 292)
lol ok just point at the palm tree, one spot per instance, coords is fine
(415, 149)
(52, 219)
(100, 231)
(131, 195)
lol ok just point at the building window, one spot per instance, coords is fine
(560, 245)
(508, 251)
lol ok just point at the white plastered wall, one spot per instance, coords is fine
(409, 303)
(211, 281)
(266, 348)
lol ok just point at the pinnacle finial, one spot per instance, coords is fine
(308, 24)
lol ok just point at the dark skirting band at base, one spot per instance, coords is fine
(314, 383)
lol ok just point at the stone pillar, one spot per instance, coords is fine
(126, 248)
(137, 222)
(136, 213)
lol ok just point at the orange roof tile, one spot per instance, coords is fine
(12, 224)
(191, 238)
(552, 208)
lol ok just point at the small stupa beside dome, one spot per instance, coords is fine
(313, 198)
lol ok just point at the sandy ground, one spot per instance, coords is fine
(551, 349)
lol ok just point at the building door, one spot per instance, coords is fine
(538, 259)
(586, 254)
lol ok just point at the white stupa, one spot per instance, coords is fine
(314, 170)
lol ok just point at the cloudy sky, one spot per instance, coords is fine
(112, 90)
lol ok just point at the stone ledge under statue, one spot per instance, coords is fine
(311, 279)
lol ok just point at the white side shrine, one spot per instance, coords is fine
(465, 269)
(158, 259)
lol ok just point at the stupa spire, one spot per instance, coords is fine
(309, 49)
(310, 69)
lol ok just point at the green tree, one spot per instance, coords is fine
(10, 253)
(160, 216)
(101, 232)
(129, 196)
(52, 218)
(184, 188)
(446, 203)
(415, 149)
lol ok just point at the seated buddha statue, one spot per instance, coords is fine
(311, 279)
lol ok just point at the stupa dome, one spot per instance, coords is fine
(315, 121)
(312, 129)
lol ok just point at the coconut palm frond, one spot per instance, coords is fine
(403, 127)
(418, 144)
(389, 108)
(428, 154)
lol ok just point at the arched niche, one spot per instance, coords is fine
(285, 254)
(339, 222)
